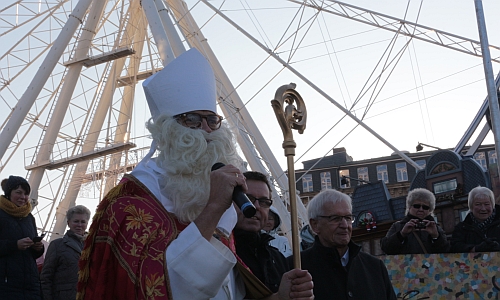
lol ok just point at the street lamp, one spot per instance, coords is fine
(420, 146)
(344, 180)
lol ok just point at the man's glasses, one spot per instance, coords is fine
(194, 120)
(338, 219)
(263, 202)
(417, 206)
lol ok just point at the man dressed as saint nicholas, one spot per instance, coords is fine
(164, 232)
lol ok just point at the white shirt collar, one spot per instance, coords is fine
(345, 259)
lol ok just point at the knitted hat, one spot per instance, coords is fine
(186, 84)
(12, 183)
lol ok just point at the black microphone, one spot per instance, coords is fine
(246, 206)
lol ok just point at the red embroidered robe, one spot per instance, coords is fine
(124, 254)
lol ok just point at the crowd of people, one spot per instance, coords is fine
(169, 229)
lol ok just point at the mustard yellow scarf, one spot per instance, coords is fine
(14, 210)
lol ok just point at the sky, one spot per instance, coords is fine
(427, 93)
(431, 95)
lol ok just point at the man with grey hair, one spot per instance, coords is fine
(338, 267)
(164, 232)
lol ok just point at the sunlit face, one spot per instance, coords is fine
(330, 234)
(19, 197)
(258, 189)
(418, 209)
(481, 207)
(78, 223)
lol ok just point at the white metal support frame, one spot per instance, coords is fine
(92, 136)
(174, 30)
(43, 73)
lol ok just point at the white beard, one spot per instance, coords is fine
(187, 158)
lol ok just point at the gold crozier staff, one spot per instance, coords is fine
(291, 117)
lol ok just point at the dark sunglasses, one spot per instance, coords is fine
(263, 202)
(194, 120)
(417, 206)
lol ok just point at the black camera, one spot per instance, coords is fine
(420, 225)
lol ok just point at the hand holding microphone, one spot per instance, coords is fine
(246, 206)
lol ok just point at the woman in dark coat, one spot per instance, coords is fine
(480, 231)
(417, 232)
(60, 270)
(19, 277)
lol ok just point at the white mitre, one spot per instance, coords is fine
(186, 84)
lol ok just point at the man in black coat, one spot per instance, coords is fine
(252, 246)
(338, 268)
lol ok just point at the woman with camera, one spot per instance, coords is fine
(480, 231)
(417, 232)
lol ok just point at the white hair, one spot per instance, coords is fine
(481, 193)
(187, 156)
(317, 204)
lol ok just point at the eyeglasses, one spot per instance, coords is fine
(338, 219)
(194, 120)
(417, 206)
(263, 202)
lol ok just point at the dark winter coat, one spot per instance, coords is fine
(60, 269)
(466, 236)
(395, 243)
(266, 262)
(19, 278)
(364, 278)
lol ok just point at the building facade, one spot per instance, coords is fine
(379, 186)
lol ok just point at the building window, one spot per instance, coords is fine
(307, 183)
(347, 182)
(363, 175)
(326, 181)
(492, 157)
(421, 163)
(481, 159)
(382, 173)
(442, 168)
(401, 171)
(445, 186)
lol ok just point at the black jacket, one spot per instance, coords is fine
(266, 262)
(466, 235)
(19, 277)
(395, 243)
(60, 269)
(365, 277)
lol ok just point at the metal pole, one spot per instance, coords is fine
(158, 31)
(95, 128)
(291, 117)
(61, 107)
(28, 98)
(173, 37)
(490, 80)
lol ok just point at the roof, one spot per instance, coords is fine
(372, 197)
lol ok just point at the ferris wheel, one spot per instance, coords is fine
(71, 104)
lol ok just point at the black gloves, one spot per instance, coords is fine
(488, 246)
